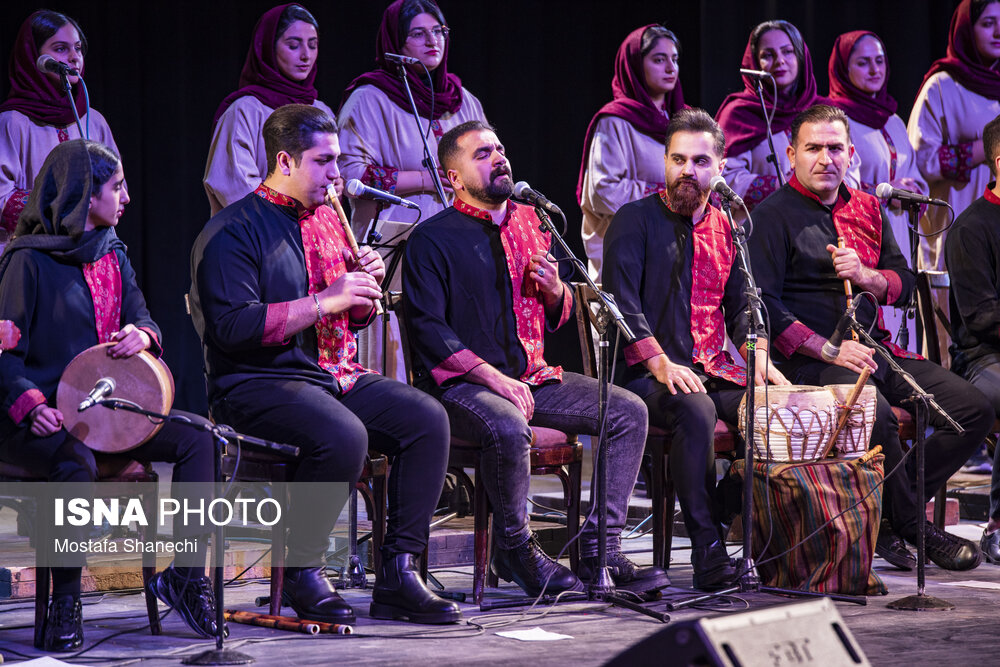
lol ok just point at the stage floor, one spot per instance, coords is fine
(963, 636)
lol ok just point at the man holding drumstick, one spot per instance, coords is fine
(801, 271)
(67, 284)
(276, 295)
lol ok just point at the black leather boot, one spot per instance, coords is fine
(64, 624)
(400, 594)
(309, 592)
(627, 575)
(529, 567)
(712, 566)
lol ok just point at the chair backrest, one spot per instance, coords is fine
(932, 287)
(586, 313)
(394, 303)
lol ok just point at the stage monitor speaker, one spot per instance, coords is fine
(795, 634)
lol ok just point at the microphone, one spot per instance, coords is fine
(886, 191)
(403, 60)
(102, 389)
(756, 73)
(720, 187)
(524, 192)
(831, 348)
(359, 190)
(47, 63)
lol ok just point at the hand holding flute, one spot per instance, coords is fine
(366, 260)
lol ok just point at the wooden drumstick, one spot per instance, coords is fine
(331, 196)
(852, 398)
(847, 288)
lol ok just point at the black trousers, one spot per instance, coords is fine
(334, 433)
(946, 450)
(691, 420)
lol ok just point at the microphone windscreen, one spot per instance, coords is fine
(354, 187)
(519, 189)
(884, 190)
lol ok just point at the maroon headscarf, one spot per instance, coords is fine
(447, 93)
(33, 93)
(262, 78)
(859, 105)
(631, 99)
(741, 117)
(962, 61)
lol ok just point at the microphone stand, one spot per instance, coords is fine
(72, 103)
(221, 434)
(429, 162)
(921, 402)
(773, 157)
(746, 570)
(913, 215)
(602, 588)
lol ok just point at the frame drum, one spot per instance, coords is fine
(142, 379)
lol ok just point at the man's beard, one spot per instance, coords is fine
(686, 196)
(496, 192)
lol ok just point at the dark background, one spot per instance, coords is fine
(541, 68)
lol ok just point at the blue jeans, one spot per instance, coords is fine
(480, 415)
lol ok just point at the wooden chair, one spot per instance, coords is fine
(553, 452)
(657, 440)
(110, 469)
(263, 467)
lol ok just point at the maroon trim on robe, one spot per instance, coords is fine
(380, 178)
(24, 404)
(155, 346)
(640, 350)
(104, 280)
(274, 324)
(456, 365)
(12, 209)
(521, 239)
(792, 338)
(893, 285)
(989, 194)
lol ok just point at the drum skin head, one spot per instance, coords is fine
(141, 378)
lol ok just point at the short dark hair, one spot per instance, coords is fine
(991, 143)
(46, 23)
(820, 113)
(652, 35)
(410, 10)
(696, 120)
(794, 36)
(448, 146)
(290, 15)
(103, 164)
(977, 7)
(290, 128)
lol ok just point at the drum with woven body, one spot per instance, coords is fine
(142, 379)
(853, 439)
(799, 420)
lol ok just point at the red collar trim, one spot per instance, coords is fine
(843, 194)
(481, 213)
(275, 197)
(989, 196)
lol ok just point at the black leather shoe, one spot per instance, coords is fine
(627, 575)
(892, 549)
(529, 567)
(193, 599)
(309, 592)
(989, 544)
(950, 552)
(713, 569)
(401, 594)
(64, 625)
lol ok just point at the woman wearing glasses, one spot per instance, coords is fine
(280, 69)
(380, 143)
